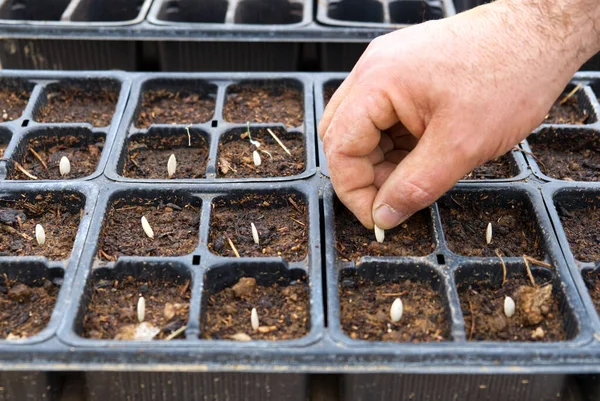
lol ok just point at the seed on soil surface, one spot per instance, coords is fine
(64, 166)
(240, 337)
(171, 165)
(255, 234)
(379, 234)
(509, 307)
(396, 310)
(254, 320)
(141, 309)
(40, 234)
(488, 234)
(256, 158)
(147, 229)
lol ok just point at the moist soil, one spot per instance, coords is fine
(147, 157)
(18, 219)
(25, 310)
(502, 167)
(537, 315)
(353, 240)
(79, 105)
(564, 156)
(465, 219)
(281, 222)
(2, 149)
(570, 112)
(283, 312)
(175, 227)
(582, 227)
(365, 312)
(12, 103)
(83, 155)
(268, 104)
(163, 106)
(112, 311)
(236, 160)
(592, 282)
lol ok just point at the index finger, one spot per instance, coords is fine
(331, 107)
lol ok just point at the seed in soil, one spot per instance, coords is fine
(13, 101)
(175, 225)
(465, 217)
(500, 168)
(172, 106)
(567, 155)
(112, 312)
(412, 238)
(41, 156)
(236, 158)
(537, 314)
(25, 310)
(568, 110)
(582, 228)
(148, 155)
(278, 101)
(365, 311)
(284, 311)
(592, 282)
(281, 220)
(92, 103)
(59, 218)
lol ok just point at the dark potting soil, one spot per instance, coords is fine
(83, 154)
(147, 157)
(582, 228)
(71, 104)
(281, 222)
(592, 282)
(236, 160)
(12, 103)
(163, 106)
(353, 240)
(465, 219)
(502, 167)
(283, 312)
(328, 92)
(569, 112)
(18, 219)
(112, 310)
(2, 149)
(175, 229)
(567, 156)
(264, 104)
(537, 315)
(25, 310)
(365, 312)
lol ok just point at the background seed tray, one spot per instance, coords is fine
(216, 127)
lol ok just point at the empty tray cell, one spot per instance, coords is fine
(5, 136)
(567, 155)
(367, 294)
(504, 166)
(281, 224)
(580, 218)
(148, 154)
(356, 10)
(274, 101)
(39, 155)
(572, 107)
(541, 312)
(329, 89)
(268, 12)
(27, 297)
(173, 219)
(414, 11)
(33, 10)
(112, 303)
(591, 278)
(183, 102)
(206, 11)
(79, 102)
(353, 241)
(58, 215)
(237, 153)
(107, 11)
(281, 298)
(14, 95)
(514, 228)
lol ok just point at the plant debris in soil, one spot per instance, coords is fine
(12, 103)
(147, 156)
(502, 167)
(236, 160)
(18, 218)
(353, 240)
(83, 154)
(465, 218)
(175, 227)
(281, 222)
(283, 312)
(569, 112)
(25, 310)
(537, 315)
(365, 311)
(582, 228)
(73, 104)
(567, 156)
(164, 106)
(592, 282)
(112, 311)
(264, 104)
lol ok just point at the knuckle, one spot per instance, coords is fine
(417, 194)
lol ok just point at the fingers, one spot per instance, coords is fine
(331, 107)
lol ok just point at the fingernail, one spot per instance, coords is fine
(387, 217)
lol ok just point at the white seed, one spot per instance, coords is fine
(254, 319)
(396, 310)
(141, 309)
(171, 166)
(64, 166)
(255, 234)
(147, 229)
(257, 159)
(379, 234)
(488, 233)
(509, 307)
(255, 143)
(40, 234)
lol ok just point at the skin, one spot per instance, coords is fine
(425, 105)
